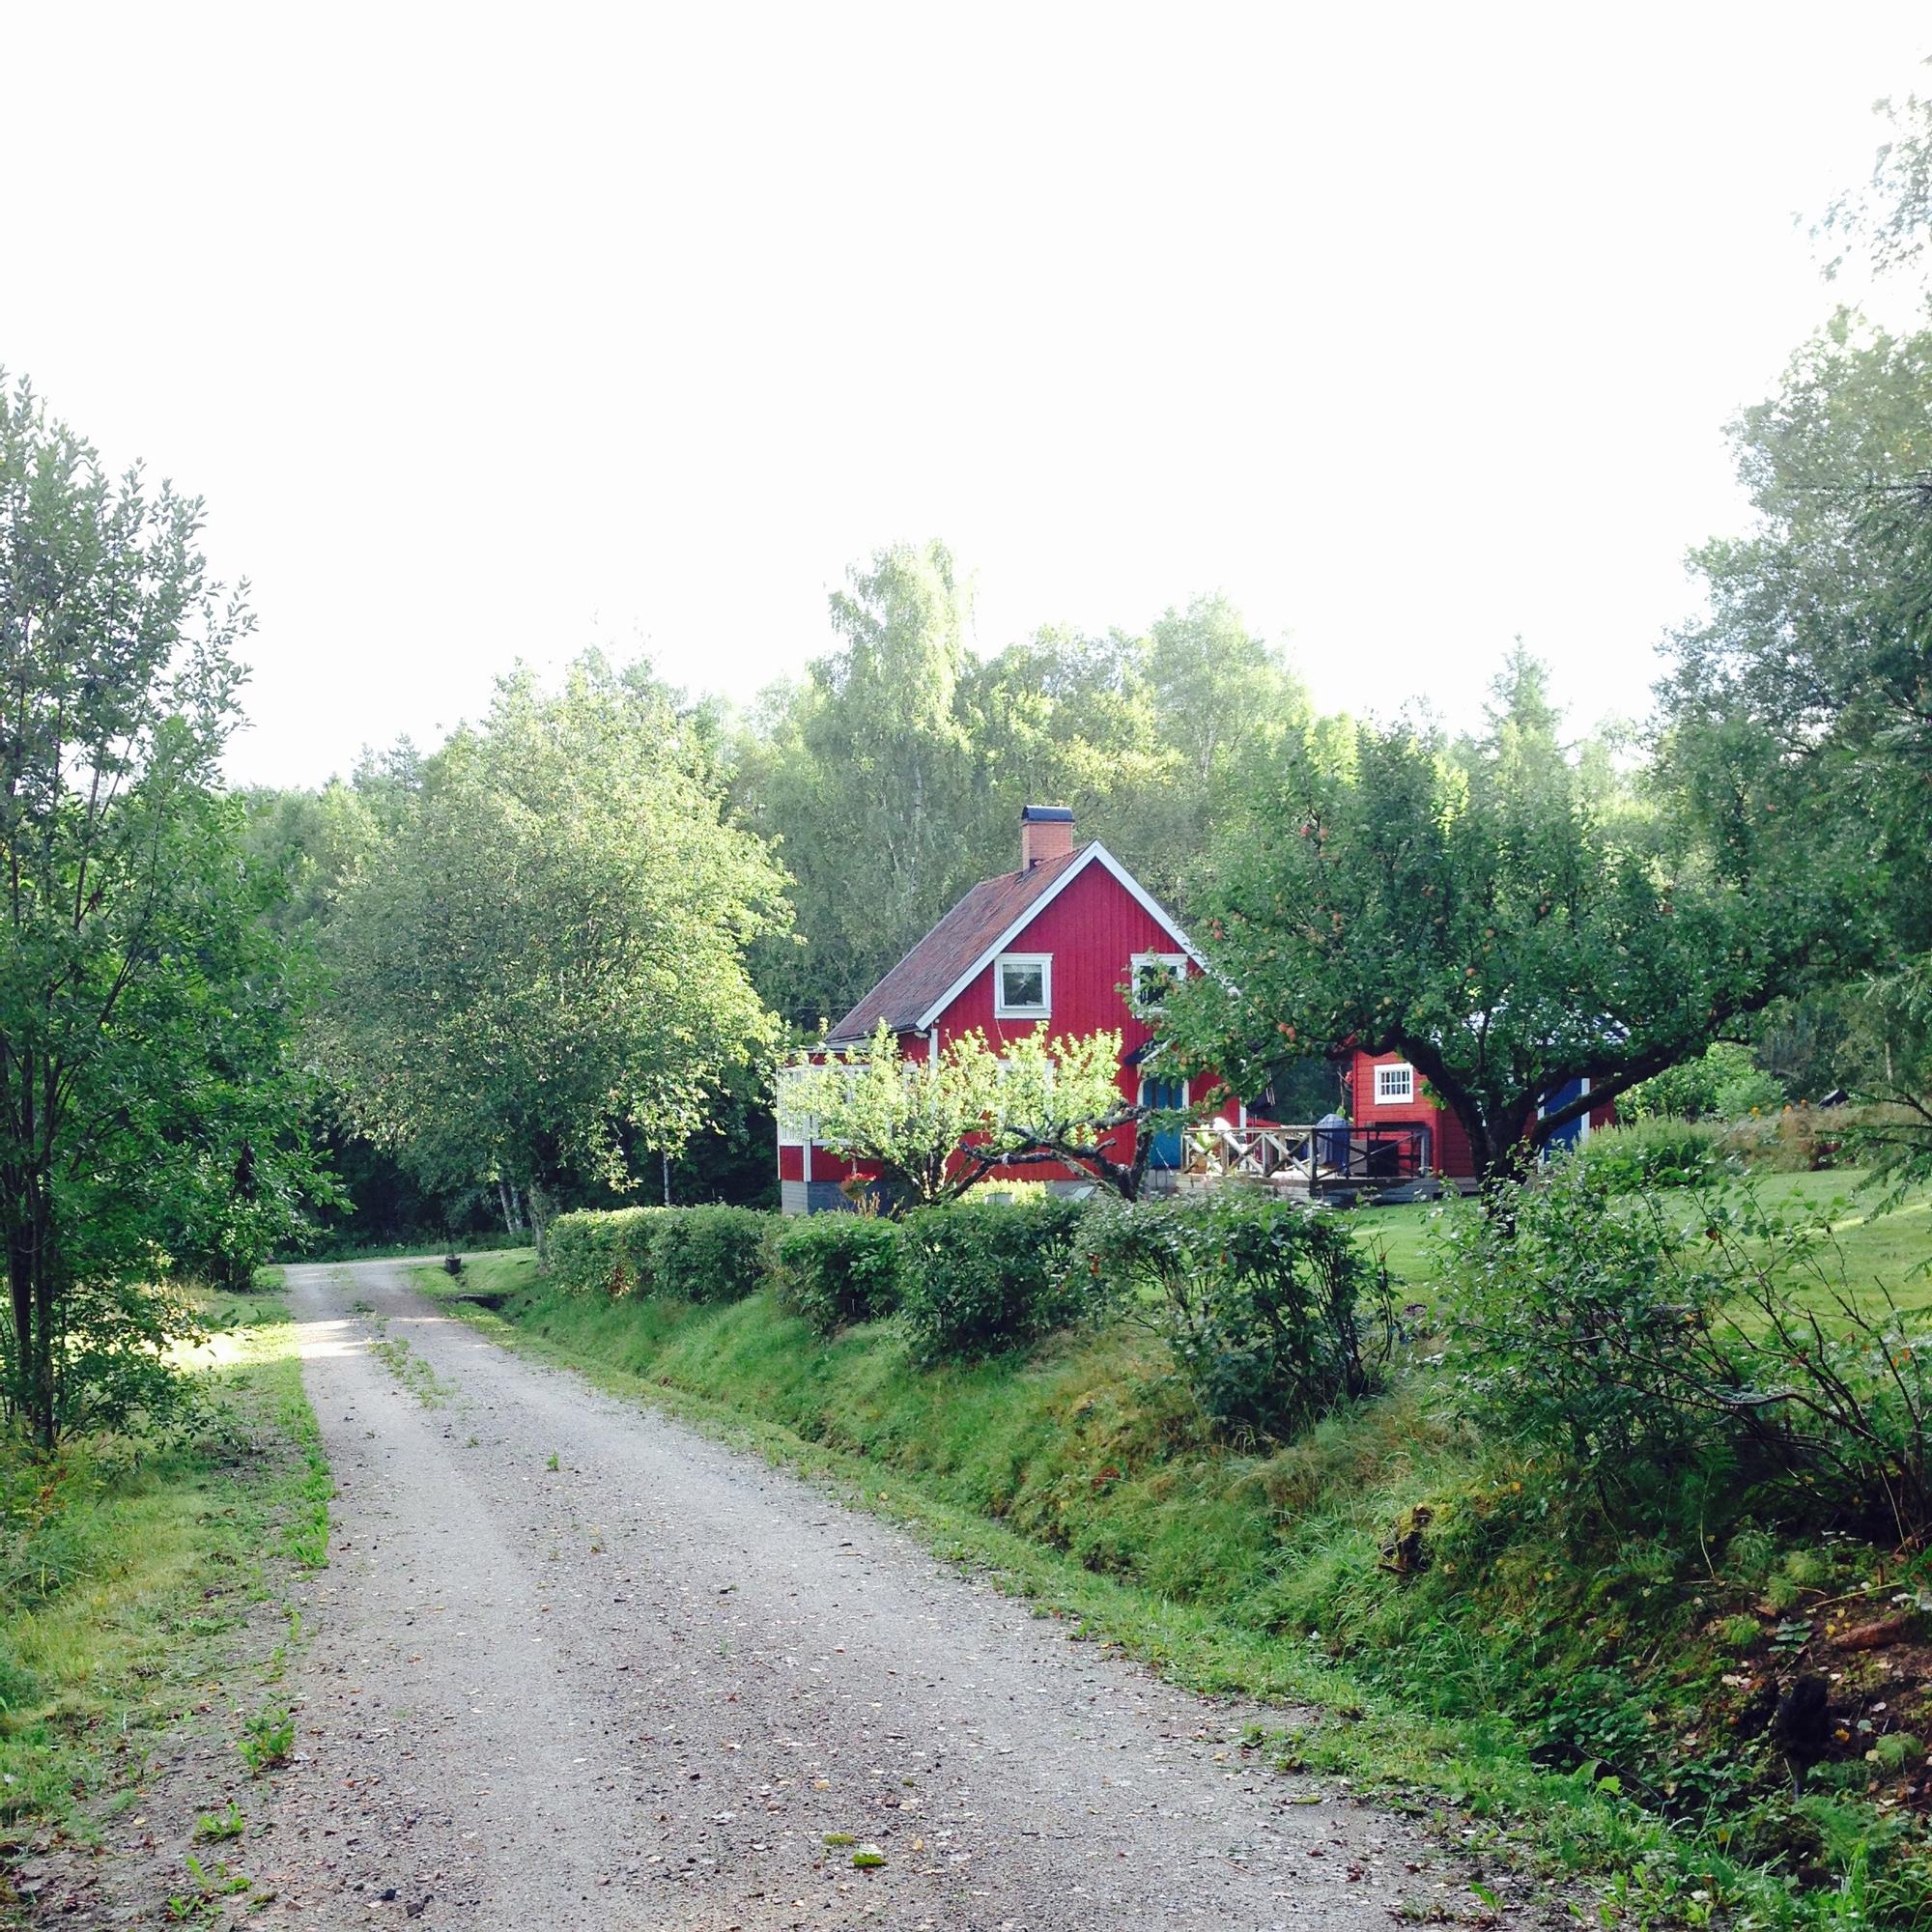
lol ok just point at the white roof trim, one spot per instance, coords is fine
(1096, 853)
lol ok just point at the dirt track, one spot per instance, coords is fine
(574, 1665)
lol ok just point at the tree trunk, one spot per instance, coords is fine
(539, 1218)
(29, 1262)
(20, 1285)
(45, 1418)
(503, 1201)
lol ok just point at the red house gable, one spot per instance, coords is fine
(1089, 931)
(1050, 946)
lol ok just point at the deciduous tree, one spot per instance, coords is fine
(148, 1103)
(938, 1125)
(1813, 668)
(543, 971)
(1477, 909)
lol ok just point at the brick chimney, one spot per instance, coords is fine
(1046, 832)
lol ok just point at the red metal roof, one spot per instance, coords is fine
(952, 948)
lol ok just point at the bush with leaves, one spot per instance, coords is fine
(608, 1254)
(1693, 1358)
(983, 1276)
(704, 1254)
(1274, 1313)
(124, 1342)
(1661, 1151)
(836, 1269)
(1695, 1090)
(711, 1253)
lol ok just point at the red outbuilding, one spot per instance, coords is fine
(1051, 946)
(1389, 1104)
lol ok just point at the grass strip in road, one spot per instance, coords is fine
(130, 1567)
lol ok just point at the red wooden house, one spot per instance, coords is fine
(1049, 945)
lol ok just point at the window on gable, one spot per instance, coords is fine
(1022, 986)
(1153, 976)
(1394, 1083)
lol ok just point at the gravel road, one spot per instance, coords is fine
(574, 1665)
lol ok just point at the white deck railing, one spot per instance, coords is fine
(1304, 1157)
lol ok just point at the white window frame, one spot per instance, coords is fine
(1176, 961)
(795, 1129)
(1001, 1010)
(1582, 1121)
(1390, 1098)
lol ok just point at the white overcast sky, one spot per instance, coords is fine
(494, 333)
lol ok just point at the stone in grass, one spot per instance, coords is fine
(867, 1856)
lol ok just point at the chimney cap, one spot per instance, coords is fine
(1046, 814)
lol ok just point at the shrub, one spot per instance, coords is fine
(981, 1276)
(1662, 1151)
(1690, 1355)
(1260, 1301)
(1012, 1193)
(835, 1270)
(1723, 1083)
(711, 1253)
(603, 1254)
(1803, 1139)
(705, 1254)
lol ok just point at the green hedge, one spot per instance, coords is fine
(1260, 1299)
(711, 1253)
(972, 1278)
(980, 1277)
(1274, 1312)
(836, 1269)
(603, 1254)
(704, 1254)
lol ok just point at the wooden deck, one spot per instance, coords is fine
(1310, 1159)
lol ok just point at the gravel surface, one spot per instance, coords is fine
(574, 1665)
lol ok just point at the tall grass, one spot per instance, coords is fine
(126, 1567)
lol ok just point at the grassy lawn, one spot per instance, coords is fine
(130, 1566)
(1890, 1250)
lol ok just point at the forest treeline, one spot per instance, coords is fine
(1740, 869)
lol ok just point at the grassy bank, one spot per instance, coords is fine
(1576, 1690)
(131, 1567)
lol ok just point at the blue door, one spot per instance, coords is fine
(1571, 1134)
(1167, 1143)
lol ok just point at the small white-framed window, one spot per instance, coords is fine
(1023, 986)
(1394, 1085)
(1153, 975)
